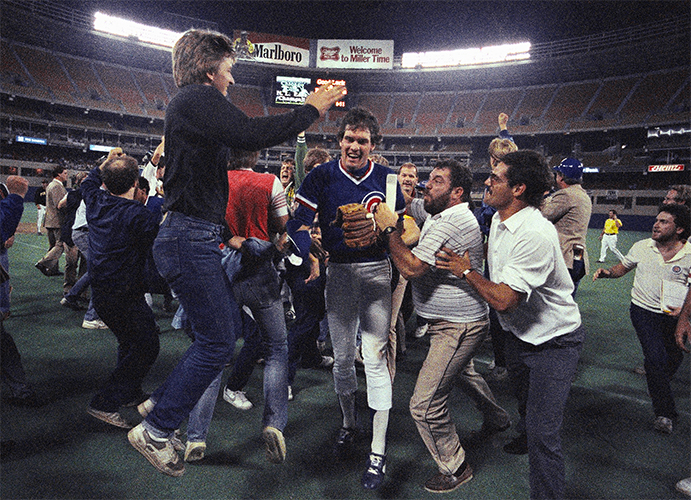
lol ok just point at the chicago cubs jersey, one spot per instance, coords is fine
(329, 186)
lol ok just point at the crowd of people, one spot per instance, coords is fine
(342, 240)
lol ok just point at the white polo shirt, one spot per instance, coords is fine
(524, 253)
(651, 270)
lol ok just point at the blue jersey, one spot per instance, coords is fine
(329, 186)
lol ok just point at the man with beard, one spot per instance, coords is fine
(358, 284)
(457, 315)
(663, 264)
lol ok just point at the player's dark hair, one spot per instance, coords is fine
(144, 185)
(360, 118)
(460, 176)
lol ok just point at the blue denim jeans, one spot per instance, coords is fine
(541, 377)
(203, 412)
(133, 324)
(661, 355)
(247, 357)
(310, 308)
(258, 288)
(188, 256)
(81, 239)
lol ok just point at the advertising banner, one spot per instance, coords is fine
(273, 49)
(665, 168)
(355, 54)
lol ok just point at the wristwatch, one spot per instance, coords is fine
(465, 273)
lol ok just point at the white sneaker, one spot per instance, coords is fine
(663, 425)
(420, 331)
(237, 398)
(684, 486)
(194, 451)
(95, 324)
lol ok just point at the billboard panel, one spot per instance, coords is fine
(273, 49)
(355, 54)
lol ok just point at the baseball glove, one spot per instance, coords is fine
(359, 228)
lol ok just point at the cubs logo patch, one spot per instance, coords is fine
(372, 199)
(676, 269)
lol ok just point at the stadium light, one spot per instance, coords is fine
(130, 29)
(467, 57)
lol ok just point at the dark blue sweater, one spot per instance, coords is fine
(121, 234)
(200, 124)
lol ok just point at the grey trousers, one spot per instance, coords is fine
(450, 360)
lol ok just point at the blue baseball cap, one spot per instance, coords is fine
(570, 168)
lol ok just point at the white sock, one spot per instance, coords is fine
(380, 423)
(347, 402)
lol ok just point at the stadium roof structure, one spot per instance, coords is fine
(627, 50)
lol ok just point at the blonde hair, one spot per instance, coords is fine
(499, 148)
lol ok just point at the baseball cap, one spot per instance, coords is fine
(570, 168)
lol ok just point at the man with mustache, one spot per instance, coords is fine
(458, 319)
(530, 289)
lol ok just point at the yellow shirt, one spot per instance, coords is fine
(611, 226)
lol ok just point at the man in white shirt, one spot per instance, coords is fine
(663, 266)
(530, 289)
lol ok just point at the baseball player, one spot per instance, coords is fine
(358, 289)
